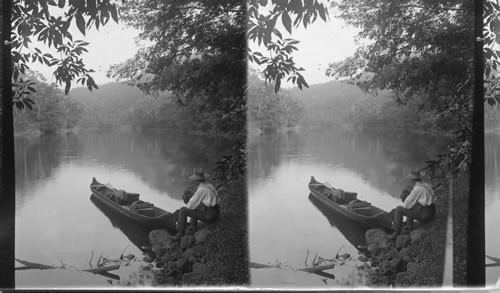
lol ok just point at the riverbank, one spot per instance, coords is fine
(214, 255)
(416, 258)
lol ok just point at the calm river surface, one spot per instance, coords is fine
(492, 203)
(285, 225)
(56, 221)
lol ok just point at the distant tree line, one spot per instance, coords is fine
(268, 111)
(337, 104)
(51, 112)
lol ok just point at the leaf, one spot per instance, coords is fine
(287, 22)
(80, 23)
(68, 86)
(322, 12)
(277, 85)
(114, 13)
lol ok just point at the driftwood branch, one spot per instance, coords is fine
(317, 268)
(307, 270)
(34, 265)
(104, 271)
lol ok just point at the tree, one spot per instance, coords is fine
(49, 22)
(491, 49)
(268, 111)
(419, 50)
(26, 20)
(262, 29)
(197, 53)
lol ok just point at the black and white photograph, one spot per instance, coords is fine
(249, 144)
(360, 115)
(129, 132)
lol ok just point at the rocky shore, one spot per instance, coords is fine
(395, 262)
(181, 262)
(214, 254)
(415, 258)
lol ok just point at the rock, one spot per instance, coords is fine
(402, 241)
(377, 237)
(363, 258)
(201, 236)
(391, 254)
(161, 251)
(404, 254)
(199, 268)
(188, 278)
(377, 280)
(186, 242)
(398, 265)
(374, 249)
(413, 267)
(160, 238)
(344, 256)
(183, 265)
(129, 257)
(402, 279)
(148, 259)
(417, 235)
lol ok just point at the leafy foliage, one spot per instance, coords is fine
(491, 40)
(270, 112)
(263, 29)
(40, 20)
(419, 50)
(197, 53)
(50, 112)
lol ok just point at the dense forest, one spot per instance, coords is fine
(337, 104)
(113, 106)
(52, 112)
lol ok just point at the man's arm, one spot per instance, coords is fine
(410, 201)
(195, 200)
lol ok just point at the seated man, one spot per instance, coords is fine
(202, 205)
(419, 204)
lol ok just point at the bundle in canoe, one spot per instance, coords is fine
(129, 205)
(347, 204)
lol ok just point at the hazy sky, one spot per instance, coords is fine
(320, 44)
(112, 44)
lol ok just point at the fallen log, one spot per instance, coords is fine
(33, 265)
(254, 265)
(102, 269)
(317, 268)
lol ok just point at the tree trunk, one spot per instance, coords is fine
(7, 178)
(475, 231)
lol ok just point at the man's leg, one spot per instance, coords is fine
(184, 212)
(399, 213)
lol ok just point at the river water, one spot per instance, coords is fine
(286, 227)
(58, 223)
(492, 203)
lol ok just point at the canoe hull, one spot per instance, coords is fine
(162, 218)
(381, 220)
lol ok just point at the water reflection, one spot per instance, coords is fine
(353, 232)
(164, 161)
(284, 225)
(136, 233)
(492, 203)
(381, 157)
(55, 220)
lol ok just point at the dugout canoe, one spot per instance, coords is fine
(153, 218)
(348, 205)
